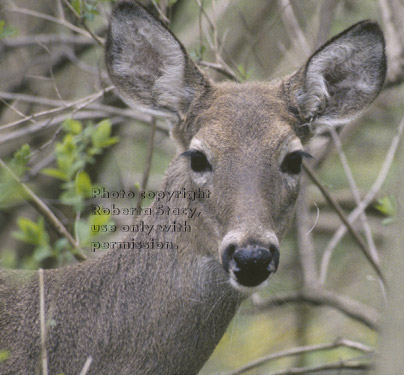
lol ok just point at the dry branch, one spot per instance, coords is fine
(301, 350)
(321, 297)
(358, 239)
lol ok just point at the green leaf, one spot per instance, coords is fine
(71, 198)
(31, 232)
(41, 253)
(76, 4)
(387, 205)
(83, 184)
(19, 162)
(72, 126)
(101, 136)
(53, 172)
(4, 355)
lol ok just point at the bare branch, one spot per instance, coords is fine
(394, 46)
(229, 73)
(327, 14)
(137, 114)
(99, 40)
(41, 125)
(321, 297)
(340, 365)
(78, 104)
(355, 192)
(292, 26)
(47, 17)
(388, 161)
(301, 350)
(45, 39)
(358, 239)
(307, 257)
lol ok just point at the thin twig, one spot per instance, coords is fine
(340, 365)
(100, 41)
(326, 17)
(46, 124)
(321, 297)
(44, 356)
(394, 46)
(219, 68)
(79, 104)
(301, 350)
(358, 239)
(43, 209)
(45, 39)
(135, 114)
(292, 26)
(388, 161)
(305, 244)
(43, 16)
(162, 16)
(355, 193)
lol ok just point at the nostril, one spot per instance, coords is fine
(228, 256)
(273, 266)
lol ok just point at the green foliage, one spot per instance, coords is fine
(34, 233)
(6, 31)
(19, 162)
(87, 9)
(387, 206)
(74, 153)
(10, 191)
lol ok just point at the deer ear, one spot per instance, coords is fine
(147, 64)
(342, 78)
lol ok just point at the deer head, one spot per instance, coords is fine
(243, 142)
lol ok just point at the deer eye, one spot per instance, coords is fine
(198, 160)
(292, 163)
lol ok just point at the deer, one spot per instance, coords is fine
(163, 311)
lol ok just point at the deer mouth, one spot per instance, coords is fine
(250, 266)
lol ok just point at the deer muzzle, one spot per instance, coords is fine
(251, 264)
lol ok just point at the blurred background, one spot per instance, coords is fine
(64, 130)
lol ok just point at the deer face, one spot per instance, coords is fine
(244, 142)
(246, 152)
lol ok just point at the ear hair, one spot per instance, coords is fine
(148, 64)
(341, 78)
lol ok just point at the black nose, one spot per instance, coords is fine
(251, 265)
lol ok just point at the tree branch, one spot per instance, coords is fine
(321, 297)
(358, 239)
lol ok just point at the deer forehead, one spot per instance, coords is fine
(252, 117)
